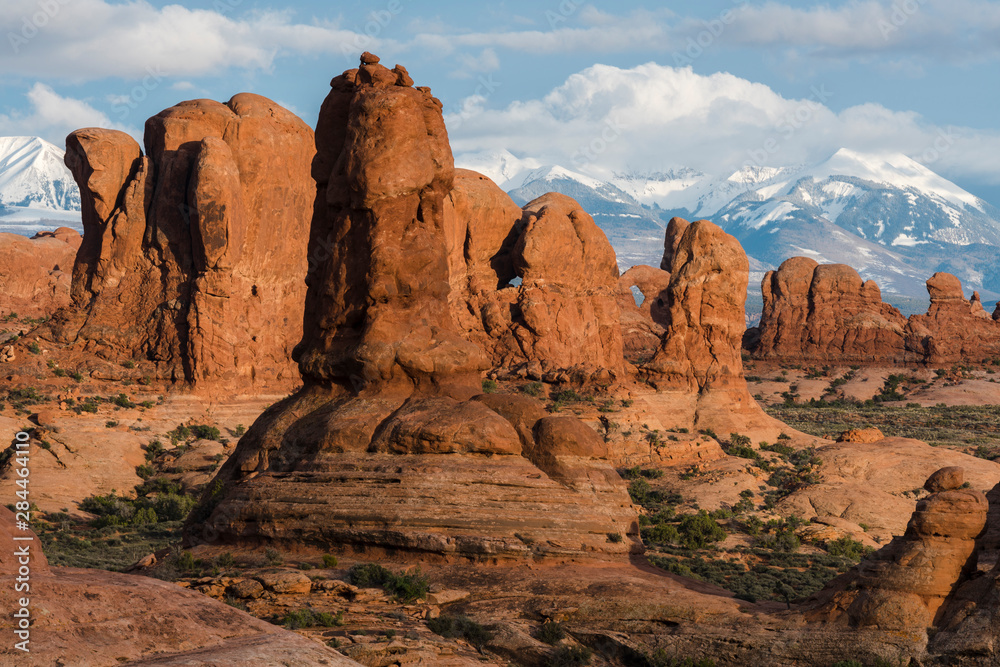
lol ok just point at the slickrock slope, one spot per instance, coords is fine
(827, 314)
(35, 273)
(93, 618)
(698, 369)
(194, 254)
(382, 448)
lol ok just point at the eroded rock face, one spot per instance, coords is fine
(643, 325)
(562, 322)
(699, 361)
(36, 273)
(382, 449)
(827, 314)
(817, 312)
(905, 585)
(194, 254)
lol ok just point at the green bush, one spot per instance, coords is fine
(122, 401)
(405, 587)
(461, 627)
(569, 656)
(203, 432)
(532, 388)
(34, 348)
(307, 618)
(846, 547)
(330, 561)
(489, 386)
(551, 632)
(699, 530)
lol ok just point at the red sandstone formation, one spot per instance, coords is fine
(382, 448)
(906, 586)
(643, 325)
(819, 312)
(954, 329)
(699, 364)
(827, 314)
(562, 322)
(194, 255)
(35, 273)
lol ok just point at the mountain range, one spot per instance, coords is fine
(886, 215)
(37, 190)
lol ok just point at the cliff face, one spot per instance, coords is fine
(827, 314)
(194, 254)
(383, 449)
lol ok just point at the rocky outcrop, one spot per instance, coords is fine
(954, 329)
(910, 585)
(35, 273)
(93, 618)
(194, 254)
(827, 314)
(815, 313)
(643, 324)
(535, 288)
(698, 366)
(382, 449)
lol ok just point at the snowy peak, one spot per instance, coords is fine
(894, 169)
(33, 175)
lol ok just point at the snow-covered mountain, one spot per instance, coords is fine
(886, 215)
(37, 190)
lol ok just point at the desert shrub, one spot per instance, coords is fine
(661, 659)
(569, 656)
(461, 627)
(489, 386)
(532, 388)
(846, 547)
(697, 531)
(406, 587)
(551, 632)
(330, 561)
(204, 432)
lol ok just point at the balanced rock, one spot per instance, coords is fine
(36, 273)
(382, 449)
(194, 255)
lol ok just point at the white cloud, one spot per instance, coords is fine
(52, 117)
(652, 117)
(93, 39)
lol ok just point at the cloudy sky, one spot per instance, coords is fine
(600, 86)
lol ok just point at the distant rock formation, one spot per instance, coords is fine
(194, 255)
(382, 449)
(35, 273)
(826, 314)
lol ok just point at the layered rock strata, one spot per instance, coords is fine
(194, 254)
(382, 449)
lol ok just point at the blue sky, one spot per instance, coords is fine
(712, 84)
